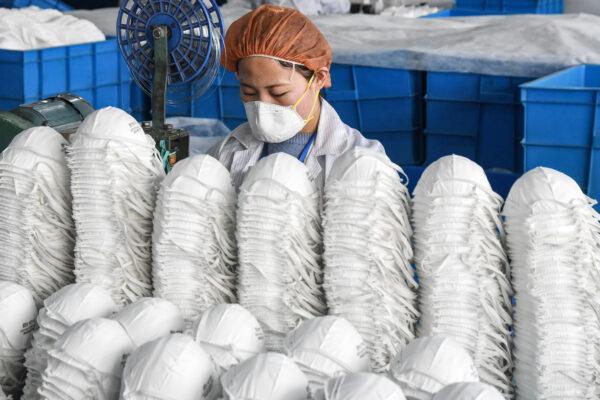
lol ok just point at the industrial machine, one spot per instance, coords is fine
(172, 48)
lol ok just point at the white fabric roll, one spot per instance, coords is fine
(279, 246)
(173, 367)
(230, 334)
(194, 251)
(115, 173)
(368, 277)
(37, 234)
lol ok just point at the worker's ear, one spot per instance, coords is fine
(321, 77)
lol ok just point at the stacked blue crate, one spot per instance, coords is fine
(57, 4)
(511, 6)
(384, 104)
(95, 71)
(476, 116)
(562, 125)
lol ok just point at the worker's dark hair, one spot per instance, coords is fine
(305, 72)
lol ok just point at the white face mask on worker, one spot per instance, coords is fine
(273, 123)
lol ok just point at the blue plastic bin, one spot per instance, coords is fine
(562, 125)
(57, 4)
(384, 104)
(95, 71)
(476, 116)
(512, 6)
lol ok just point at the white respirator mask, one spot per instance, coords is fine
(273, 123)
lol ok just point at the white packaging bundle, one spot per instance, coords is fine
(115, 172)
(368, 275)
(230, 334)
(86, 362)
(325, 347)
(37, 231)
(173, 367)
(468, 391)
(267, 376)
(429, 364)
(279, 246)
(464, 291)
(553, 237)
(194, 253)
(149, 319)
(17, 322)
(71, 304)
(361, 386)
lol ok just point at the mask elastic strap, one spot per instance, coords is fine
(310, 117)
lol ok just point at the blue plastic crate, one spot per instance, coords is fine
(562, 125)
(95, 71)
(476, 116)
(57, 4)
(384, 104)
(512, 6)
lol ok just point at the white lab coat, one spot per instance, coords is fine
(240, 150)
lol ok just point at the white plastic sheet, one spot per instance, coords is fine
(173, 367)
(369, 279)
(71, 304)
(279, 246)
(230, 334)
(37, 234)
(429, 364)
(464, 291)
(17, 322)
(87, 362)
(32, 28)
(115, 173)
(325, 347)
(149, 319)
(553, 238)
(361, 386)
(468, 391)
(194, 250)
(267, 376)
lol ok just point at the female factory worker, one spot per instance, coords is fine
(282, 62)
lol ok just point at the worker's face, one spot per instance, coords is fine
(264, 79)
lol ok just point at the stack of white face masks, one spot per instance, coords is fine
(468, 391)
(149, 319)
(69, 305)
(172, 367)
(193, 249)
(279, 246)
(429, 364)
(37, 232)
(464, 290)
(115, 172)
(361, 386)
(368, 276)
(17, 323)
(267, 376)
(2, 395)
(325, 347)
(553, 237)
(230, 334)
(86, 362)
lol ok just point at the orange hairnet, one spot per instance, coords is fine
(279, 32)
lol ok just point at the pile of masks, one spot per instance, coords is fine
(361, 386)
(36, 244)
(194, 252)
(369, 279)
(230, 335)
(17, 322)
(326, 347)
(279, 246)
(87, 361)
(69, 305)
(553, 237)
(429, 364)
(171, 367)
(115, 173)
(464, 290)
